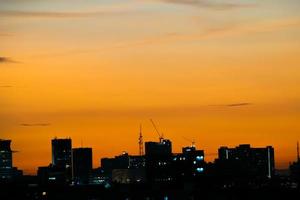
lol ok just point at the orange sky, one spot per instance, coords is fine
(94, 71)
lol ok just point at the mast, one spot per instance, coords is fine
(141, 146)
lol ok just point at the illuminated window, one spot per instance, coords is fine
(199, 158)
(199, 169)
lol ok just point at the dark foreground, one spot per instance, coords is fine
(142, 192)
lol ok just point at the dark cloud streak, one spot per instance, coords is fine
(234, 104)
(6, 60)
(209, 4)
(6, 86)
(36, 124)
(238, 104)
(47, 14)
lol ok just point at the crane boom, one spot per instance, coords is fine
(159, 134)
(192, 141)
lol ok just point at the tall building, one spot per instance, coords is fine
(7, 171)
(62, 152)
(6, 165)
(158, 149)
(295, 168)
(59, 172)
(254, 161)
(82, 160)
(158, 157)
(188, 164)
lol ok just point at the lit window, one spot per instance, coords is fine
(199, 158)
(199, 169)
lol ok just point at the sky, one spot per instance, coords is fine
(220, 72)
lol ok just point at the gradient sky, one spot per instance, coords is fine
(221, 72)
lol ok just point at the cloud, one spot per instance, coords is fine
(238, 104)
(234, 104)
(6, 86)
(6, 60)
(220, 5)
(35, 124)
(228, 31)
(40, 14)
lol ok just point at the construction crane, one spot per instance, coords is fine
(192, 141)
(141, 147)
(160, 135)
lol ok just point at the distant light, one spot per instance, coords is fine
(175, 159)
(195, 162)
(199, 169)
(52, 178)
(166, 198)
(107, 185)
(199, 158)
(44, 193)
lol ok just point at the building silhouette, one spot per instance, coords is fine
(124, 168)
(245, 161)
(295, 168)
(159, 174)
(82, 165)
(59, 172)
(189, 164)
(158, 156)
(61, 152)
(7, 171)
(158, 149)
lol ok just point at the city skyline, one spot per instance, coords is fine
(217, 72)
(61, 147)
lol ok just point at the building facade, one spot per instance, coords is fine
(257, 162)
(82, 160)
(61, 152)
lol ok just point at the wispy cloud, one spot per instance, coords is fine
(35, 124)
(217, 5)
(227, 31)
(232, 30)
(6, 60)
(6, 86)
(240, 104)
(46, 14)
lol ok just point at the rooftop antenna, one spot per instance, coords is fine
(192, 141)
(160, 135)
(141, 147)
(298, 157)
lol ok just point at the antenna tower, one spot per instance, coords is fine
(141, 146)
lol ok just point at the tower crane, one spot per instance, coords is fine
(193, 142)
(160, 135)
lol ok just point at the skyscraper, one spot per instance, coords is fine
(61, 152)
(82, 160)
(158, 149)
(6, 167)
(158, 160)
(188, 164)
(255, 161)
(7, 171)
(60, 170)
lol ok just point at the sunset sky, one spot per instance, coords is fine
(221, 72)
